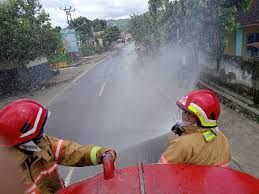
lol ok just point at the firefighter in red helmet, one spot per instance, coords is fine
(38, 155)
(200, 141)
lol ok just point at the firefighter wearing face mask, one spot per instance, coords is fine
(200, 141)
(38, 155)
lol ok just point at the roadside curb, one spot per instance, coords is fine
(77, 63)
(230, 99)
(49, 84)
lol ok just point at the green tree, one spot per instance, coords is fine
(110, 35)
(84, 27)
(200, 23)
(99, 25)
(239, 4)
(219, 19)
(155, 7)
(152, 28)
(25, 32)
(168, 21)
(141, 29)
(122, 24)
(204, 23)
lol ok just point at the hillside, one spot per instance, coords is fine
(121, 23)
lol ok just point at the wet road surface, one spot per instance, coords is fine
(119, 103)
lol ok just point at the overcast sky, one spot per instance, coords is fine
(92, 9)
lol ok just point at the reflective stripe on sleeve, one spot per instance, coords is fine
(224, 164)
(163, 160)
(49, 171)
(32, 190)
(93, 155)
(58, 149)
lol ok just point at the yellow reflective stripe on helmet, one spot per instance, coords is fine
(209, 135)
(205, 122)
(93, 155)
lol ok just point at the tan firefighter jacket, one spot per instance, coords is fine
(198, 146)
(40, 171)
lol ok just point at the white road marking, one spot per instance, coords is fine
(75, 80)
(90, 69)
(102, 88)
(71, 169)
(69, 176)
(61, 92)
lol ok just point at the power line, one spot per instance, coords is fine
(68, 13)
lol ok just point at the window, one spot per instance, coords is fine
(256, 37)
(252, 38)
(252, 51)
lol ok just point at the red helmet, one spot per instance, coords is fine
(203, 104)
(21, 121)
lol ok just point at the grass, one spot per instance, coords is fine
(58, 58)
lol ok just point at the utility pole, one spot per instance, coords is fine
(68, 13)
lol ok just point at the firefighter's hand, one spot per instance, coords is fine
(112, 153)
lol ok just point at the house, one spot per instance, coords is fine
(245, 41)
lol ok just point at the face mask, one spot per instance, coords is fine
(186, 124)
(178, 127)
(178, 119)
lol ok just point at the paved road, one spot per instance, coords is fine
(119, 103)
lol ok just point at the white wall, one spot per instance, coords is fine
(37, 61)
(242, 76)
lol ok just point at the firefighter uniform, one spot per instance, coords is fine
(198, 146)
(39, 171)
